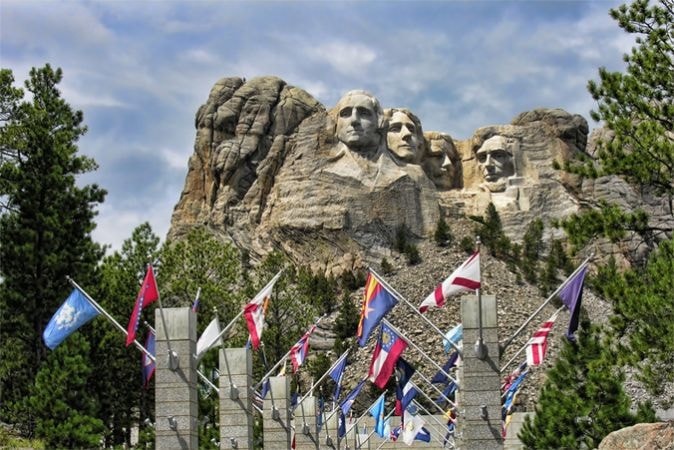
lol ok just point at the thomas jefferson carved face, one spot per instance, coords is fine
(358, 116)
(404, 136)
(495, 159)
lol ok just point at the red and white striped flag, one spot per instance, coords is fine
(464, 279)
(299, 351)
(539, 342)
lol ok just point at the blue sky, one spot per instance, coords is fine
(140, 70)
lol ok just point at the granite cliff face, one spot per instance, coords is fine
(274, 169)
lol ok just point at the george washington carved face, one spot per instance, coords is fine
(358, 121)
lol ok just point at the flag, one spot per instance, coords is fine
(345, 405)
(539, 342)
(148, 293)
(511, 393)
(395, 432)
(319, 414)
(508, 380)
(446, 394)
(209, 338)
(255, 311)
(440, 377)
(572, 295)
(148, 364)
(195, 305)
(377, 301)
(298, 352)
(341, 424)
(464, 279)
(412, 425)
(423, 435)
(377, 411)
(405, 390)
(336, 374)
(292, 437)
(453, 336)
(386, 352)
(75, 311)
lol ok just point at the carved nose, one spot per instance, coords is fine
(446, 162)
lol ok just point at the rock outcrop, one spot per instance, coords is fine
(642, 436)
(274, 169)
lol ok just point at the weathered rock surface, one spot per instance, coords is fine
(643, 436)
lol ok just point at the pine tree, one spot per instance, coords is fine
(46, 222)
(442, 235)
(637, 106)
(582, 400)
(122, 405)
(63, 412)
(531, 250)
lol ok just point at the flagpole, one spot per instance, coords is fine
(325, 375)
(400, 297)
(503, 346)
(420, 351)
(109, 317)
(480, 349)
(282, 360)
(431, 400)
(525, 345)
(332, 413)
(355, 424)
(374, 430)
(435, 387)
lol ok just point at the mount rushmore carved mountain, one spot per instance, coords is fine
(273, 169)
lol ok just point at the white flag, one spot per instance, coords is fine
(464, 279)
(413, 425)
(209, 338)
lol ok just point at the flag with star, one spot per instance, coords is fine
(387, 351)
(377, 301)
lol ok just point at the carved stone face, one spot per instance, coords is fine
(495, 159)
(357, 122)
(403, 137)
(442, 163)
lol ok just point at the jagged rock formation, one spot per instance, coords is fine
(651, 436)
(274, 169)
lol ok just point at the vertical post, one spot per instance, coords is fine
(236, 402)
(479, 399)
(306, 436)
(276, 414)
(480, 348)
(176, 407)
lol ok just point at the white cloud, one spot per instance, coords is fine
(348, 58)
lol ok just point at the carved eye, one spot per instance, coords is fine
(345, 112)
(482, 157)
(412, 129)
(364, 112)
(500, 154)
(395, 127)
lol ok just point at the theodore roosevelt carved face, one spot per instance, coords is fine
(442, 162)
(404, 136)
(359, 120)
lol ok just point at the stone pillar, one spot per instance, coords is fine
(176, 407)
(236, 416)
(306, 435)
(479, 394)
(276, 414)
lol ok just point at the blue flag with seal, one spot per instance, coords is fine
(73, 313)
(377, 411)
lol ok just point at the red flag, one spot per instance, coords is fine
(464, 279)
(387, 351)
(148, 293)
(539, 342)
